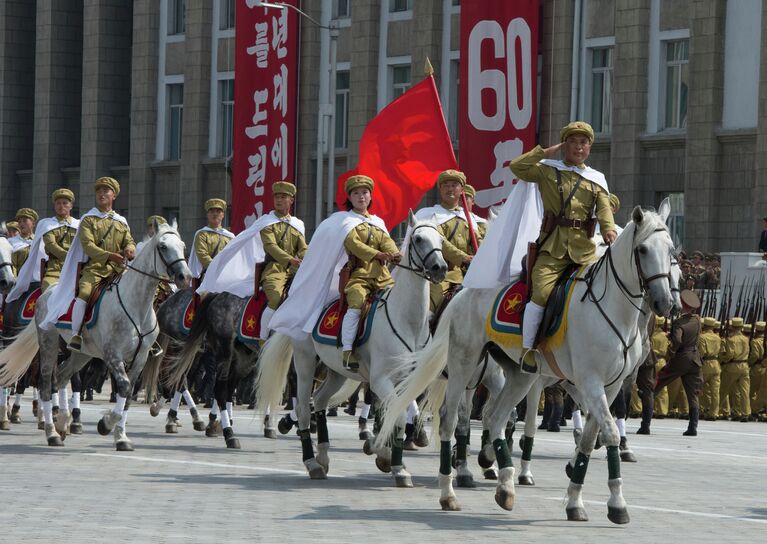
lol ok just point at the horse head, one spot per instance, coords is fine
(7, 279)
(170, 248)
(424, 249)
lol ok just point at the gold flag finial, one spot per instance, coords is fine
(427, 68)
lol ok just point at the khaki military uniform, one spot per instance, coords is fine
(19, 257)
(98, 242)
(677, 400)
(282, 242)
(757, 373)
(734, 392)
(207, 245)
(57, 243)
(709, 347)
(660, 344)
(565, 245)
(362, 244)
(455, 248)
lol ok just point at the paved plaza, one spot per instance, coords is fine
(189, 488)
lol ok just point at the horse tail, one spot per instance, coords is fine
(180, 365)
(150, 375)
(16, 358)
(429, 363)
(431, 404)
(272, 371)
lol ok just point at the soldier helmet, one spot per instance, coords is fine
(709, 322)
(108, 182)
(27, 212)
(283, 187)
(452, 175)
(576, 127)
(469, 191)
(62, 193)
(690, 299)
(215, 203)
(357, 181)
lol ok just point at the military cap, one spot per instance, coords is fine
(284, 187)
(709, 322)
(111, 183)
(62, 193)
(452, 175)
(717, 324)
(469, 191)
(659, 320)
(698, 254)
(747, 328)
(358, 181)
(576, 127)
(215, 203)
(27, 212)
(615, 202)
(12, 225)
(760, 326)
(736, 322)
(159, 218)
(689, 298)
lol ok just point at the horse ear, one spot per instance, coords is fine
(411, 220)
(3, 229)
(174, 224)
(492, 213)
(637, 215)
(155, 226)
(665, 209)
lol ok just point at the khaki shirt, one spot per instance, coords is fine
(457, 244)
(756, 350)
(19, 257)
(209, 244)
(660, 344)
(565, 242)
(735, 348)
(57, 243)
(99, 242)
(282, 242)
(363, 243)
(709, 345)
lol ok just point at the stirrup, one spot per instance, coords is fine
(75, 343)
(528, 364)
(350, 361)
(156, 350)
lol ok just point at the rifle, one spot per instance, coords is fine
(740, 300)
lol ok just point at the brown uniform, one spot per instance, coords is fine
(684, 360)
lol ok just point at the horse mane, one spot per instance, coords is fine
(651, 221)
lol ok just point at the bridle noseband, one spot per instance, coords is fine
(168, 266)
(421, 270)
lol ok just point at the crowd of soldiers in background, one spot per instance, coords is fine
(699, 270)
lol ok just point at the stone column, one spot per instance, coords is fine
(427, 40)
(760, 185)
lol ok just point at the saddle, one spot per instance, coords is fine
(555, 305)
(327, 330)
(91, 312)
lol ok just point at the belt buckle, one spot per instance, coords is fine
(577, 224)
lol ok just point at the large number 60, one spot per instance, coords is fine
(503, 85)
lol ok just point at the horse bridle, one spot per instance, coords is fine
(420, 271)
(162, 258)
(643, 281)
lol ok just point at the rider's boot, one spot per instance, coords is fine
(78, 313)
(692, 426)
(530, 324)
(348, 334)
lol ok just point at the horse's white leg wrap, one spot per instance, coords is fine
(294, 403)
(214, 408)
(577, 420)
(266, 317)
(229, 410)
(63, 400)
(349, 328)
(365, 412)
(123, 419)
(78, 313)
(48, 412)
(189, 400)
(621, 423)
(35, 394)
(75, 400)
(175, 401)
(3, 395)
(119, 405)
(412, 411)
(530, 323)
(19, 397)
(55, 400)
(225, 423)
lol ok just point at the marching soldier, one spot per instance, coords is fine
(209, 240)
(22, 242)
(709, 347)
(58, 240)
(660, 344)
(646, 376)
(755, 358)
(572, 194)
(735, 376)
(684, 359)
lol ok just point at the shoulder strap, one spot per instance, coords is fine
(111, 226)
(452, 232)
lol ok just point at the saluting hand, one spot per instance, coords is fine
(553, 150)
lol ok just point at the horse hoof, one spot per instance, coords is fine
(628, 456)
(40, 426)
(490, 473)
(170, 428)
(154, 410)
(577, 514)
(269, 433)
(421, 439)
(450, 504)
(367, 447)
(525, 480)
(409, 445)
(124, 445)
(484, 460)
(198, 426)
(212, 431)
(233, 443)
(465, 480)
(102, 428)
(569, 470)
(504, 499)
(366, 435)
(403, 481)
(318, 473)
(55, 441)
(6, 426)
(76, 428)
(284, 425)
(619, 516)
(383, 465)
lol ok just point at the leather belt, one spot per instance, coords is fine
(738, 361)
(572, 223)
(710, 358)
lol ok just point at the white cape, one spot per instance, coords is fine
(17, 242)
(586, 172)
(63, 295)
(439, 214)
(233, 270)
(195, 267)
(316, 281)
(30, 272)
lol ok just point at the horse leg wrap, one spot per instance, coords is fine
(306, 444)
(527, 447)
(463, 446)
(445, 457)
(502, 454)
(485, 440)
(396, 447)
(581, 465)
(613, 462)
(322, 427)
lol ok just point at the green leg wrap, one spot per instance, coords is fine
(322, 427)
(485, 438)
(306, 444)
(445, 458)
(613, 462)
(579, 470)
(527, 447)
(463, 444)
(502, 454)
(396, 452)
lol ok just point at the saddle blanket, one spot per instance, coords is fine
(27, 309)
(91, 314)
(328, 327)
(504, 322)
(249, 330)
(188, 316)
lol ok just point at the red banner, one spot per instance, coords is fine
(498, 72)
(265, 106)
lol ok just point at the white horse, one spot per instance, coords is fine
(399, 327)
(125, 330)
(601, 347)
(7, 278)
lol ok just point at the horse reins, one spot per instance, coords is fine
(168, 265)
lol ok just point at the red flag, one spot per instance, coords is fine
(404, 148)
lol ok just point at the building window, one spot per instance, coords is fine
(226, 17)
(456, 2)
(342, 9)
(225, 117)
(675, 220)
(601, 88)
(342, 110)
(176, 17)
(400, 78)
(452, 99)
(677, 80)
(175, 99)
(400, 5)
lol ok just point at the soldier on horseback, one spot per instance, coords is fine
(573, 195)
(209, 240)
(58, 239)
(22, 242)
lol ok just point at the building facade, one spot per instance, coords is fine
(143, 90)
